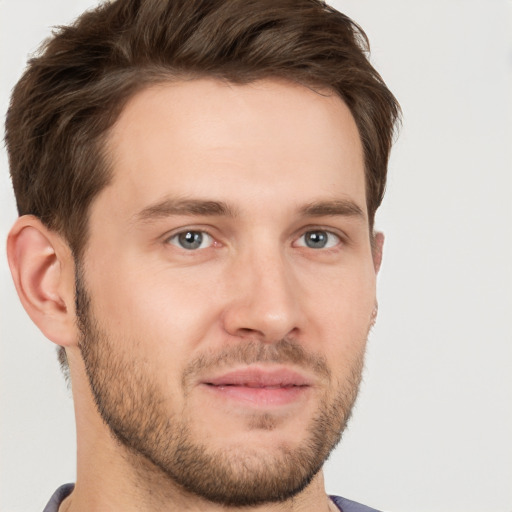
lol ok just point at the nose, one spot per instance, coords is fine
(263, 298)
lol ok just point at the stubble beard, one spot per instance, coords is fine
(131, 405)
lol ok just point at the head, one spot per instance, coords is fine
(88, 159)
(74, 90)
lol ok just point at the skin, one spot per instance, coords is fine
(254, 280)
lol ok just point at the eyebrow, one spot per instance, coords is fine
(171, 206)
(338, 207)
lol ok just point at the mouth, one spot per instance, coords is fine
(259, 387)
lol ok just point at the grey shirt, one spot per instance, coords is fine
(65, 490)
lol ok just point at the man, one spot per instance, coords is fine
(197, 184)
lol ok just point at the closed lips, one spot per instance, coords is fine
(257, 378)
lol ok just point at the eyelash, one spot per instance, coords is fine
(174, 239)
(202, 232)
(330, 235)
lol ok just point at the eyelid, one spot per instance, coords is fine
(206, 230)
(169, 236)
(341, 237)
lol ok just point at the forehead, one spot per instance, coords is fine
(209, 138)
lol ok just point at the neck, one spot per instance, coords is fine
(122, 487)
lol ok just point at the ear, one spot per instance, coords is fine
(42, 268)
(377, 247)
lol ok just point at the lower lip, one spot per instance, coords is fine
(264, 397)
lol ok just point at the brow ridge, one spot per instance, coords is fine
(174, 206)
(205, 207)
(335, 207)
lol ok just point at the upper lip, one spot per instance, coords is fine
(260, 377)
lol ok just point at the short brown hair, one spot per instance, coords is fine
(74, 89)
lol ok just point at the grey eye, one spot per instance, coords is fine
(191, 240)
(318, 239)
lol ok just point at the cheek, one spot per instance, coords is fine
(153, 324)
(162, 311)
(344, 312)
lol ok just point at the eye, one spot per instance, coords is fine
(318, 239)
(191, 240)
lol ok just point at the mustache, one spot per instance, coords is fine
(284, 351)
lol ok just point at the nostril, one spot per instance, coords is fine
(248, 331)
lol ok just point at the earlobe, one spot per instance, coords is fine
(377, 248)
(42, 268)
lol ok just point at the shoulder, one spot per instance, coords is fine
(351, 506)
(58, 497)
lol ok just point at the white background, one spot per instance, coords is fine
(432, 430)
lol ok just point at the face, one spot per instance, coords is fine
(227, 288)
